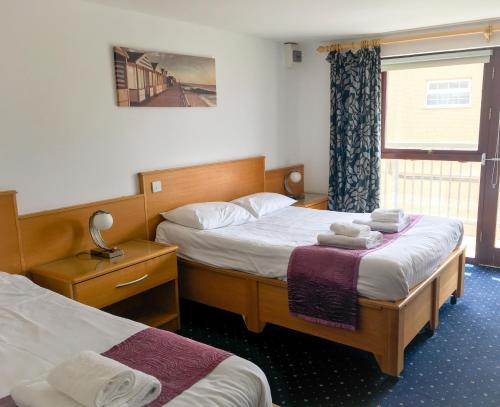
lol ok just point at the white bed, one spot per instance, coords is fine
(40, 328)
(264, 246)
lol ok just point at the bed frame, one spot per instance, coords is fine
(385, 328)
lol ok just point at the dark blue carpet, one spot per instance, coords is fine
(458, 366)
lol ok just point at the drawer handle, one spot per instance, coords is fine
(132, 282)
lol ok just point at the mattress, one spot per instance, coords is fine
(263, 247)
(40, 329)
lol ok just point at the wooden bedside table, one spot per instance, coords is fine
(140, 285)
(313, 201)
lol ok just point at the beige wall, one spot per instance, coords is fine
(410, 120)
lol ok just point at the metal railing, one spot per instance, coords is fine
(443, 188)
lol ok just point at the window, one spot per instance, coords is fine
(448, 93)
(432, 106)
(425, 113)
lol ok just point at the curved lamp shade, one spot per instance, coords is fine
(102, 220)
(294, 177)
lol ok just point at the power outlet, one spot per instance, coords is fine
(156, 186)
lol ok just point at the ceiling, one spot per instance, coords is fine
(296, 20)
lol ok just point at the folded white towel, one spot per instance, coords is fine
(387, 227)
(38, 393)
(373, 239)
(349, 229)
(389, 210)
(387, 215)
(94, 380)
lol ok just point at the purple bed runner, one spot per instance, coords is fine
(7, 402)
(322, 282)
(177, 362)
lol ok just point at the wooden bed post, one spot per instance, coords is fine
(434, 321)
(460, 279)
(461, 271)
(251, 318)
(391, 362)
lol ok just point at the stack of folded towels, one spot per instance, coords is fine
(88, 379)
(349, 235)
(386, 220)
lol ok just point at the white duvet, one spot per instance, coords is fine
(264, 246)
(39, 328)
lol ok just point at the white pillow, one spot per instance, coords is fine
(262, 203)
(209, 215)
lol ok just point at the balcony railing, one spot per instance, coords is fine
(443, 188)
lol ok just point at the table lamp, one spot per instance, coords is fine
(295, 177)
(102, 220)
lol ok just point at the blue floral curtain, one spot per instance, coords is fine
(354, 130)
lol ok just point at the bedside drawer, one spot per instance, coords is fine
(124, 283)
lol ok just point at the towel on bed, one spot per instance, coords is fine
(95, 380)
(349, 229)
(38, 393)
(371, 240)
(387, 215)
(385, 227)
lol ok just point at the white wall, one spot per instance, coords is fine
(64, 141)
(308, 85)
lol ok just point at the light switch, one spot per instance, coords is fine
(156, 186)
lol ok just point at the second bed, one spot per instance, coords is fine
(242, 269)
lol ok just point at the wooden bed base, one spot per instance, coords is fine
(385, 328)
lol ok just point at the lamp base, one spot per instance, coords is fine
(298, 197)
(107, 254)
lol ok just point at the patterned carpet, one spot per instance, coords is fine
(458, 366)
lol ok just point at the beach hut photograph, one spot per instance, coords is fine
(158, 79)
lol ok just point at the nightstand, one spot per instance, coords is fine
(313, 201)
(140, 285)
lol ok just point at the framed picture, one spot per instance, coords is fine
(159, 79)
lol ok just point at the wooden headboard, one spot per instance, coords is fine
(54, 234)
(221, 181)
(11, 259)
(37, 238)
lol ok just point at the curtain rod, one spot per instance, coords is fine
(342, 46)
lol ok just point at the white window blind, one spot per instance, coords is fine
(431, 60)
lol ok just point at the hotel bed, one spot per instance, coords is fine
(263, 247)
(40, 329)
(242, 269)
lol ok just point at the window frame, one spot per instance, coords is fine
(441, 155)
